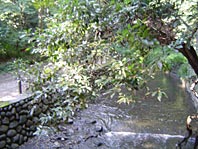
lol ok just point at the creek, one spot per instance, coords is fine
(105, 124)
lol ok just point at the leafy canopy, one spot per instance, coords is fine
(89, 46)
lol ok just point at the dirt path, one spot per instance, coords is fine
(9, 87)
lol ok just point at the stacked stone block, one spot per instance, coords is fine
(18, 121)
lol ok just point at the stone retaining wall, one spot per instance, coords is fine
(18, 121)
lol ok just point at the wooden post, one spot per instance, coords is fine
(20, 86)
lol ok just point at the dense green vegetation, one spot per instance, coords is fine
(78, 48)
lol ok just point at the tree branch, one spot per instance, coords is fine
(193, 33)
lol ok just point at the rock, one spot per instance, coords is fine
(3, 129)
(14, 145)
(24, 112)
(44, 108)
(8, 114)
(45, 101)
(23, 132)
(32, 128)
(27, 129)
(29, 107)
(23, 126)
(18, 109)
(8, 141)
(5, 120)
(66, 103)
(5, 108)
(70, 121)
(17, 116)
(29, 123)
(2, 136)
(9, 107)
(37, 110)
(29, 116)
(30, 134)
(56, 145)
(27, 99)
(21, 139)
(13, 124)
(2, 113)
(11, 133)
(15, 139)
(25, 106)
(12, 118)
(22, 102)
(25, 138)
(70, 132)
(91, 121)
(53, 100)
(2, 144)
(62, 138)
(62, 128)
(22, 119)
(40, 105)
(94, 122)
(35, 120)
(99, 144)
(99, 128)
(13, 110)
(19, 128)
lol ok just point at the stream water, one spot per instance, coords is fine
(146, 124)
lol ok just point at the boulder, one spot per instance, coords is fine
(2, 144)
(11, 133)
(13, 124)
(3, 128)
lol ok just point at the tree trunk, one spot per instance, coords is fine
(191, 55)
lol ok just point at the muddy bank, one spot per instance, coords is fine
(105, 127)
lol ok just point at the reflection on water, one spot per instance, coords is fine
(152, 117)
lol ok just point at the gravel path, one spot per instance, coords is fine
(9, 88)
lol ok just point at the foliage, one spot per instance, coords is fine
(159, 93)
(3, 103)
(6, 67)
(91, 46)
(86, 53)
(177, 63)
(67, 86)
(17, 19)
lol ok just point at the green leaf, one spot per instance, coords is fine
(127, 1)
(154, 93)
(159, 97)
